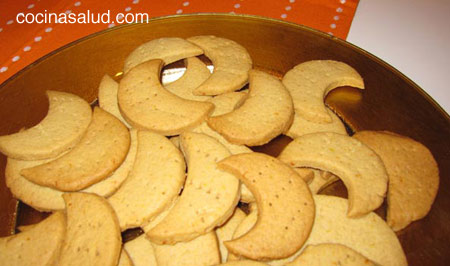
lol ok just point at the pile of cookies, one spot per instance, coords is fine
(174, 160)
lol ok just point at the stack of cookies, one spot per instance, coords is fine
(176, 161)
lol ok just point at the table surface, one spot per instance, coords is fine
(411, 35)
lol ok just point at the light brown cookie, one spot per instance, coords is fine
(202, 250)
(302, 126)
(101, 151)
(196, 73)
(243, 227)
(227, 102)
(49, 199)
(64, 125)
(39, 197)
(145, 104)
(176, 141)
(141, 251)
(107, 98)
(267, 112)
(225, 232)
(359, 167)
(231, 65)
(224, 103)
(281, 228)
(93, 233)
(310, 82)
(413, 175)
(199, 251)
(209, 195)
(233, 148)
(39, 245)
(168, 50)
(158, 218)
(368, 235)
(243, 263)
(111, 184)
(307, 174)
(330, 254)
(124, 259)
(321, 180)
(154, 182)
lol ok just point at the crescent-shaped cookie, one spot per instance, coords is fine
(93, 233)
(244, 263)
(310, 82)
(243, 227)
(202, 250)
(49, 199)
(107, 97)
(301, 126)
(196, 73)
(226, 103)
(368, 235)
(359, 167)
(168, 50)
(153, 184)
(225, 232)
(141, 251)
(413, 175)
(101, 151)
(330, 254)
(39, 197)
(209, 195)
(38, 245)
(64, 125)
(267, 112)
(124, 259)
(111, 184)
(231, 65)
(281, 228)
(145, 104)
(321, 180)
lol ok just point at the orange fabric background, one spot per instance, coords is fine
(22, 44)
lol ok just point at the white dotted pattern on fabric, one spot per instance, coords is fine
(179, 11)
(78, 3)
(3, 69)
(237, 5)
(37, 39)
(283, 15)
(185, 3)
(336, 17)
(27, 48)
(15, 58)
(128, 9)
(30, 6)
